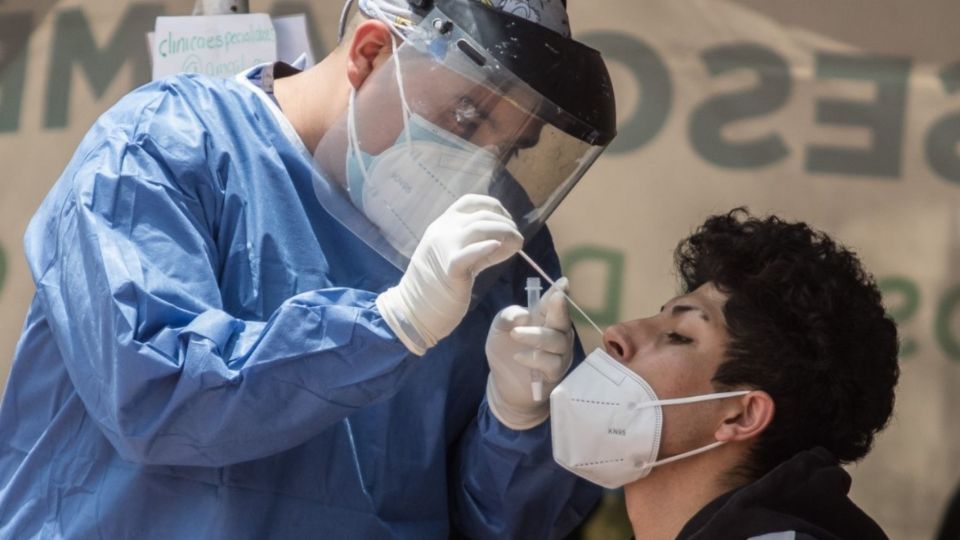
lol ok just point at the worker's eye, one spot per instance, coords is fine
(467, 117)
(678, 339)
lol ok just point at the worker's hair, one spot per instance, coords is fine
(806, 325)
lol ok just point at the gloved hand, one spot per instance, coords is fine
(517, 345)
(476, 232)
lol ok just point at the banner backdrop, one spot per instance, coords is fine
(843, 114)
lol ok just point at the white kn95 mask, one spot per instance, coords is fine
(607, 420)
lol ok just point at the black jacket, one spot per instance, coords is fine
(804, 498)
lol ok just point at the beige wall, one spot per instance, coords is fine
(900, 214)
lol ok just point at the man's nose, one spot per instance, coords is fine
(618, 343)
(624, 340)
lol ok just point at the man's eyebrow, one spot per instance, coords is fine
(683, 308)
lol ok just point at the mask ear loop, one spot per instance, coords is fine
(385, 19)
(354, 142)
(693, 452)
(694, 399)
(352, 137)
(407, 114)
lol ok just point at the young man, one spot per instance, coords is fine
(253, 314)
(729, 413)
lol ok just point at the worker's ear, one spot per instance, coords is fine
(370, 46)
(745, 417)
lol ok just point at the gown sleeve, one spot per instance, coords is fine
(126, 264)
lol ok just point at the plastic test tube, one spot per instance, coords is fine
(544, 275)
(533, 302)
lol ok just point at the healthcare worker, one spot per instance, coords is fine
(262, 302)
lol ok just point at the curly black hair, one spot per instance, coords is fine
(806, 325)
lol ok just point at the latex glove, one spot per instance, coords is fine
(516, 345)
(433, 295)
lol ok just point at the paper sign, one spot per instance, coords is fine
(292, 39)
(216, 45)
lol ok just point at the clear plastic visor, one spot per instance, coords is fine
(440, 119)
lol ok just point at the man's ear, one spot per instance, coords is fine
(369, 47)
(746, 417)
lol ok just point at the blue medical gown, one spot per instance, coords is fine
(203, 357)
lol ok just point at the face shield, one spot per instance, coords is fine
(472, 101)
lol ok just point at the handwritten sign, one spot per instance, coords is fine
(216, 45)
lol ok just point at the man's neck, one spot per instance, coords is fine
(313, 99)
(663, 502)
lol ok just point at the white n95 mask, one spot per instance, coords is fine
(607, 420)
(410, 184)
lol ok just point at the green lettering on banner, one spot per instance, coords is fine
(904, 294)
(771, 93)
(612, 260)
(14, 33)
(944, 327)
(942, 139)
(883, 117)
(652, 76)
(73, 43)
(280, 9)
